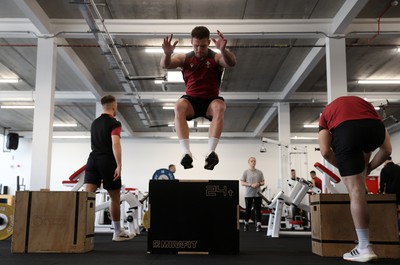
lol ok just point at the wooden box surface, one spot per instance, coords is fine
(333, 231)
(53, 222)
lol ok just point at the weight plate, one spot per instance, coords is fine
(7, 224)
(163, 174)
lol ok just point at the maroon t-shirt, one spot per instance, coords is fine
(202, 75)
(345, 109)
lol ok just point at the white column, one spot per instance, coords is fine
(336, 74)
(44, 114)
(284, 140)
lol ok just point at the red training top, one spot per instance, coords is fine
(345, 109)
(202, 75)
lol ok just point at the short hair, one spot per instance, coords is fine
(105, 100)
(312, 172)
(171, 165)
(200, 32)
(251, 157)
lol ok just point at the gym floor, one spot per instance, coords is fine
(255, 248)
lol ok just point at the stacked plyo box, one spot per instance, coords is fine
(333, 232)
(194, 217)
(53, 222)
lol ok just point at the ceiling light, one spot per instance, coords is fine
(65, 125)
(203, 125)
(17, 107)
(158, 81)
(311, 125)
(174, 77)
(303, 138)
(168, 107)
(378, 81)
(8, 80)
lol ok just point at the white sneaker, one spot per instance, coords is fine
(360, 255)
(123, 235)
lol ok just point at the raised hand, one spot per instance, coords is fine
(167, 46)
(220, 44)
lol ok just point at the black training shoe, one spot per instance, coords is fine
(246, 227)
(186, 161)
(258, 228)
(211, 161)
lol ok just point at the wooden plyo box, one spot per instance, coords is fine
(53, 222)
(332, 228)
(194, 217)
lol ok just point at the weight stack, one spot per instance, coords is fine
(193, 217)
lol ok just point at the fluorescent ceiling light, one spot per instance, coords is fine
(174, 77)
(191, 125)
(311, 125)
(8, 80)
(168, 107)
(177, 50)
(303, 138)
(377, 81)
(65, 125)
(17, 107)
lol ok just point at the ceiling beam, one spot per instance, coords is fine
(39, 19)
(169, 97)
(340, 22)
(181, 28)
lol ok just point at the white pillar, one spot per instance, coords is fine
(336, 74)
(44, 114)
(284, 140)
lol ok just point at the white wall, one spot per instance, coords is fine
(142, 157)
(15, 163)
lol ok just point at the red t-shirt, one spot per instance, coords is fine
(202, 75)
(345, 109)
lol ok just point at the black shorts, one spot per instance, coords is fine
(351, 139)
(200, 106)
(102, 170)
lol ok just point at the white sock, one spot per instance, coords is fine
(212, 144)
(117, 226)
(184, 144)
(363, 238)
